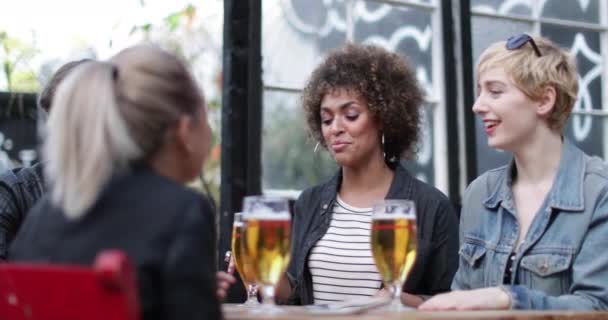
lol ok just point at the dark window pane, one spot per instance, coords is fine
(588, 133)
(422, 166)
(406, 31)
(288, 157)
(18, 130)
(503, 7)
(301, 31)
(585, 130)
(585, 45)
(486, 31)
(576, 10)
(304, 31)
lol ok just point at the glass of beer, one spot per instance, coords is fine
(393, 240)
(243, 266)
(266, 242)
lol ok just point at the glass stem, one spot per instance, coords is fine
(252, 294)
(396, 292)
(268, 292)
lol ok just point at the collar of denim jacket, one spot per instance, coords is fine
(566, 193)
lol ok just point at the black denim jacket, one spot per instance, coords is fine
(19, 190)
(437, 223)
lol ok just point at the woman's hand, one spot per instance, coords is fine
(383, 293)
(411, 300)
(407, 299)
(480, 299)
(225, 279)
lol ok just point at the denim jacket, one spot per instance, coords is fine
(436, 221)
(19, 190)
(561, 263)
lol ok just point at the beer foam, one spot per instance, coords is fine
(392, 216)
(265, 215)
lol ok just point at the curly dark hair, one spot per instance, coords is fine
(384, 80)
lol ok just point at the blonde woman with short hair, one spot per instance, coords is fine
(532, 233)
(123, 139)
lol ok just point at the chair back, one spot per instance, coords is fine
(108, 290)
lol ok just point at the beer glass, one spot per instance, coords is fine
(243, 266)
(266, 242)
(393, 240)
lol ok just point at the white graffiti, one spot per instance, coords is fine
(423, 78)
(422, 177)
(366, 15)
(361, 13)
(583, 4)
(581, 125)
(423, 38)
(5, 161)
(27, 157)
(333, 21)
(508, 6)
(425, 153)
(505, 7)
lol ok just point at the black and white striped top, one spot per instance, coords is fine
(341, 263)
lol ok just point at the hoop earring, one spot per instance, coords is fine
(383, 153)
(316, 147)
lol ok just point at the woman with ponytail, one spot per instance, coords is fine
(123, 139)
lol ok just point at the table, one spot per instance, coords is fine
(234, 312)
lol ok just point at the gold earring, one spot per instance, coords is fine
(383, 153)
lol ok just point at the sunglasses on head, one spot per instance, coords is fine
(518, 41)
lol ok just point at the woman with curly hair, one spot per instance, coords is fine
(363, 105)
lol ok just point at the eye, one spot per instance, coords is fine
(326, 121)
(495, 93)
(352, 117)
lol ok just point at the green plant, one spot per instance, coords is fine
(17, 55)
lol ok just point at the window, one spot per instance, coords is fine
(577, 25)
(296, 36)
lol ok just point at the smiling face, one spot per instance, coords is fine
(510, 118)
(349, 129)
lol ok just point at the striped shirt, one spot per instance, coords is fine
(341, 263)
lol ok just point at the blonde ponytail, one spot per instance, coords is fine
(106, 116)
(88, 140)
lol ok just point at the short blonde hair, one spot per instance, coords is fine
(532, 74)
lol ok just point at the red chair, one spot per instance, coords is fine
(39, 291)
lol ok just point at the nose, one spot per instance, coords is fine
(479, 106)
(337, 126)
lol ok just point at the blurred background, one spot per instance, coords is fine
(262, 51)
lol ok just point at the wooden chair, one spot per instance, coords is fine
(41, 291)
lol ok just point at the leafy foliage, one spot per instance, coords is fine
(16, 55)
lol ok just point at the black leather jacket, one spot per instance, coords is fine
(437, 224)
(19, 190)
(166, 229)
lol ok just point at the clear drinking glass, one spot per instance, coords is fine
(266, 243)
(393, 240)
(243, 266)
